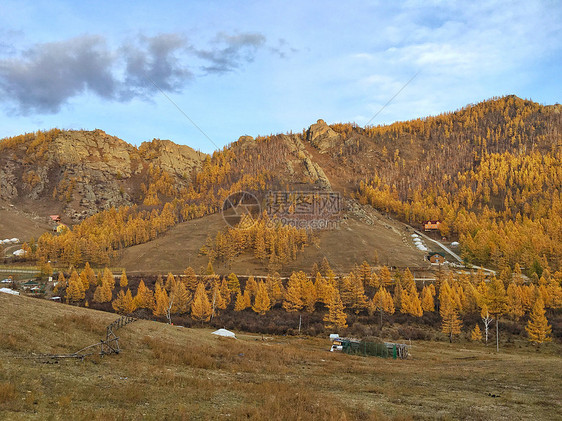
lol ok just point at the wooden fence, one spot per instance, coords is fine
(109, 345)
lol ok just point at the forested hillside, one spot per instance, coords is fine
(491, 172)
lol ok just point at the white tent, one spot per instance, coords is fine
(454, 244)
(9, 291)
(15, 240)
(20, 252)
(225, 333)
(415, 235)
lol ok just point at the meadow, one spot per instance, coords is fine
(172, 372)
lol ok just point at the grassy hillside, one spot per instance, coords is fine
(169, 372)
(380, 241)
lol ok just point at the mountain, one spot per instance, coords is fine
(490, 172)
(79, 173)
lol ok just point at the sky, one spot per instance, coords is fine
(205, 72)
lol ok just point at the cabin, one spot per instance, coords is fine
(431, 225)
(55, 218)
(436, 258)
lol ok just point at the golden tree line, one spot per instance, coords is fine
(361, 291)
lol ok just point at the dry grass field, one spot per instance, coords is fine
(170, 372)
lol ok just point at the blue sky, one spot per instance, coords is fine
(256, 67)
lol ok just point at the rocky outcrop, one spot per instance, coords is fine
(87, 171)
(312, 169)
(322, 137)
(174, 158)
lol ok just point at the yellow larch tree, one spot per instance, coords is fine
(217, 300)
(336, 317)
(233, 283)
(144, 297)
(476, 334)
(84, 280)
(251, 286)
(75, 289)
(170, 281)
(538, 328)
(190, 278)
(124, 303)
(161, 301)
(123, 281)
(382, 302)
(427, 300)
(262, 304)
(309, 295)
(293, 297)
(450, 323)
(225, 292)
(180, 297)
(411, 303)
(385, 277)
(408, 280)
(90, 274)
(497, 304)
(240, 303)
(514, 301)
(358, 298)
(200, 306)
(108, 278)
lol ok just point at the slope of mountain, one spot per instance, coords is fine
(490, 172)
(78, 173)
